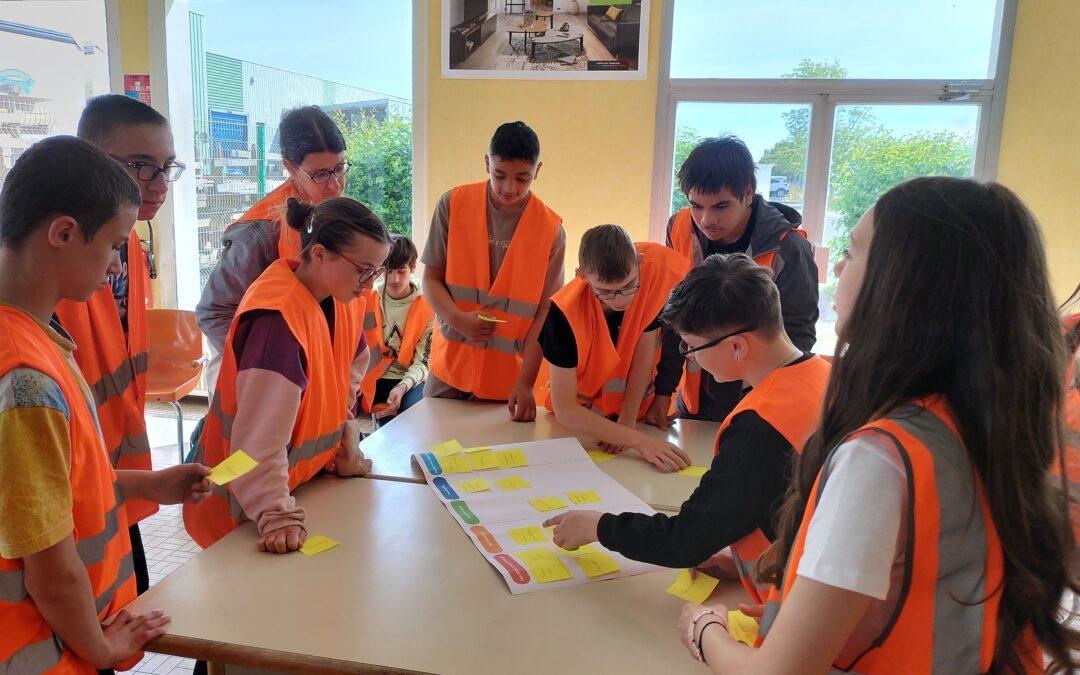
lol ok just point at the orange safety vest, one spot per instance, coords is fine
(489, 370)
(789, 400)
(27, 643)
(946, 616)
(273, 207)
(416, 322)
(604, 367)
(324, 404)
(114, 365)
(686, 242)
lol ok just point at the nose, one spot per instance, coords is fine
(336, 183)
(114, 264)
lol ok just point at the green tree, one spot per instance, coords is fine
(685, 141)
(380, 152)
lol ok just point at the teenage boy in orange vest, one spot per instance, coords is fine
(600, 341)
(727, 312)
(494, 258)
(66, 210)
(110, 328)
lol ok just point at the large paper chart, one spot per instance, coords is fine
(501, 495)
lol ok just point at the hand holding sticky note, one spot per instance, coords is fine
(318, 544)
(234, 466)
(696, 590)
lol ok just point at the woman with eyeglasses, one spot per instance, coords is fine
(291, 370)
(313, 153)
(600, 342)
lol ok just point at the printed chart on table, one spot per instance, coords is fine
(501, 495)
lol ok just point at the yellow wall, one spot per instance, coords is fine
(1040, 146)
(134, 37)
(596, 138)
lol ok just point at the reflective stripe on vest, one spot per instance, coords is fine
(100, 520)
(417, 322)
(489, 370)
(603, 366)
(324, 403)
(945, 619)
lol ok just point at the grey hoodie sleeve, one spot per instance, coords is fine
(797, 281)
(247, 250)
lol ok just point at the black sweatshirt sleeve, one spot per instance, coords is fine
(798, 286)
(669, 369)
(740, 493)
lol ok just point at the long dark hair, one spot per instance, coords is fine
(956, 301)
(334, 223)
(305, 130)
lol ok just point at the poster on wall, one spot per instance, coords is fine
(137, 87)
(545, 39)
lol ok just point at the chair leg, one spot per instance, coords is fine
(374, 422)
(179, 429)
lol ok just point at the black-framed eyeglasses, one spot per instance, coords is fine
(322, 175)
(685, 349)
(366, 273)
(146, 172)
(628, 291)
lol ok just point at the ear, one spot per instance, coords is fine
(578, 272)
(62, 231)
(536, 174)
(487, 163)
(317, 252)
(749, 196)
(740, 348)
(290, 167)
(639, 257)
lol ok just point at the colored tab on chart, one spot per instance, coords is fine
(512, 483)
(318, 544)
(596, 564)
(600, 456)
(484, 316)
(696, 471)
(481, 448)
(432, 463)
(455, 464)
(543, 504)
(695, 590)
(447, 448)
(544, 565)
(527, 535)
(482, 461)
(510, 459)
(588, 497)
(463, 511)
(741, 627)
(473, 486)
(234, 466)
(444, 488)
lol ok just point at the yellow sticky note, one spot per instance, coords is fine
(588, 497)
(317, 544)
(479, 461)
(587, 549)
(596, 564)
(234, 466)
(548, 503)
(509, 459)
(451, 447)
(693, 590)
(600, 456)
(474, 485)
(544, 565)
(480, 448)
(455, 464)
(484, 316)
(741, 627)
(512, 483)
(527, 535)
(693, 471)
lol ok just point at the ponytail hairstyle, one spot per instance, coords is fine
(333, 223)
(956, 301)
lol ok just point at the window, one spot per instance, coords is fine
(838, 102)
(53, 57)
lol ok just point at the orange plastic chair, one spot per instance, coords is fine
(175, 361)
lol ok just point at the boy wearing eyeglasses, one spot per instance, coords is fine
(727, 313)
(110, 328)
(600, 342)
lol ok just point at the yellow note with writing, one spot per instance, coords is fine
(600, 456)
(451, 447)
(693, 590)
(596, 563)
(474, 485)
(544, 565)
(527, 535)
(480, 448)
(741, 627)
(317, 544)
(693, 471)
(234, 466)
(548, 503)
(512, 483)
(509, 459)
(485, 459)
(588, 497)
(587, 549)
(455, 464)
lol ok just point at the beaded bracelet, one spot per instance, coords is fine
(694, 651)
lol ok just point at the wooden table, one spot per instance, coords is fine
(537, 26)
(406, 592)
(546, 14)
(435, 420)
(554, 38)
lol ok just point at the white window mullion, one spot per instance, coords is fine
(817, 167)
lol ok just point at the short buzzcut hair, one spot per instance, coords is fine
(724, 293)
(718, 163)
(104, 114)
(402, 252)
(63, 176)
(515, 140)
(608, 252)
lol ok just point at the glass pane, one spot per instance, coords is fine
(874, 148)
(54, 59)
(915, 39)
(775, 133)
(357, 67)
